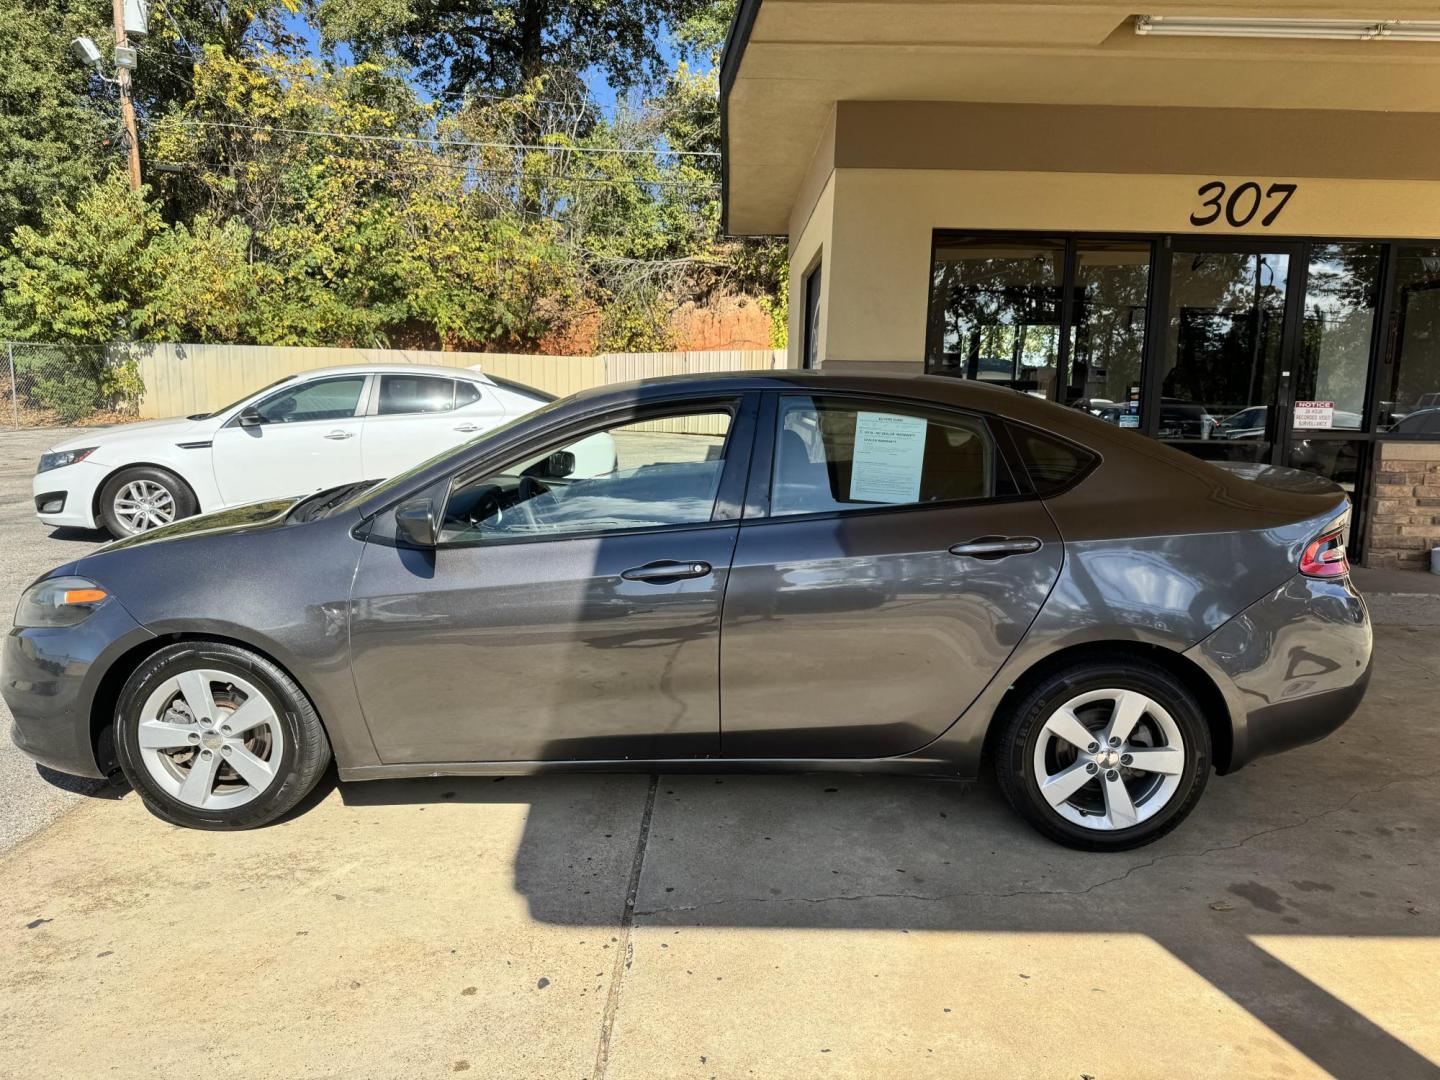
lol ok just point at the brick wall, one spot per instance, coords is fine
(1404, 505)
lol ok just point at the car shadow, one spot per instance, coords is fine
(80, 536)
(110, 789)
(847, 852)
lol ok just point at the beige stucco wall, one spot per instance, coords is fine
(878, 261)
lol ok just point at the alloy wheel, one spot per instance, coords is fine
(1109, 759)
(210, 739)
(143, 504)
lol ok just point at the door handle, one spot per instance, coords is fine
(997, 547)
(468, 427)
(666, 570)
(338, 435)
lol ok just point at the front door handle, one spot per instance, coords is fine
(338, 435)
(997, 547)
(666, 570)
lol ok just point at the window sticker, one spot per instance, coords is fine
(889, 456)
(1314, 414)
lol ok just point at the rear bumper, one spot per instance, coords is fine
(49, 677)
(1292, 667)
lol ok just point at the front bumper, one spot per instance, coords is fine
(49, 677)
(1292, 667)
(78, 485)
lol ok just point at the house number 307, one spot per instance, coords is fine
(1240, 205)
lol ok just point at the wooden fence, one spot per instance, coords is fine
(185, 379)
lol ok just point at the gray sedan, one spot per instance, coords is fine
(781, 571)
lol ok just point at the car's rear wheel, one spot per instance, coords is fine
(213, 736)
(142, 498)
(1108, 754)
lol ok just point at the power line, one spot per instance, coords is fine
(438, 142)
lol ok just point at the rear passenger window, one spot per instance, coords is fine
(415, 394)
(841, 454)
(1052, 463)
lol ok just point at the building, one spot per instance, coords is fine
(1211, 224)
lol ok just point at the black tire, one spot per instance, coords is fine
(186, 505)
(304, 755)
(1022, 727)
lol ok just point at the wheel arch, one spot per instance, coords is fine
(1213, 706)
(168, 467)
(108, 690)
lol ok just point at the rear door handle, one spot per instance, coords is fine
(666, 570)
(997, 547)
(468, 427)
(338, 435)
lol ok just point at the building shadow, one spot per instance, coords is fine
(854, 852)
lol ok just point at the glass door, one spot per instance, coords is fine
(1224, 364)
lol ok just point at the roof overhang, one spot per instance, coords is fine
(787, 63)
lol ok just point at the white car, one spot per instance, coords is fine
(316, 430)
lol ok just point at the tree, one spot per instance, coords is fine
(461, 45)
(51, 133)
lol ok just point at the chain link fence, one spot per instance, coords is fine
(43, 385)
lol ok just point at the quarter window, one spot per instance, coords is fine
(415, 394)
(1053, 464)
(466, 393)
(840, 454)
(636, 475)
(322, 399)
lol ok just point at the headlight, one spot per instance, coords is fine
(58, 459)
(61, 601)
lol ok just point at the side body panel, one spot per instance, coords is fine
(1293, 666)
(532, 651)
(282, 588)
(860, 635)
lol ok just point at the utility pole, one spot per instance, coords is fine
(123, 53)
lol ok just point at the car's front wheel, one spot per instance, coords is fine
(213, 736)
(1108, 754)
(139, 499)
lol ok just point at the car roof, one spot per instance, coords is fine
(473, 373)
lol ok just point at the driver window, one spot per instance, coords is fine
(323, 399)
(635, 475)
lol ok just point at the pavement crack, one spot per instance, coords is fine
(625, 949)
(992, 895)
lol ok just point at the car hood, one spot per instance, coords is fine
(252, 517)
(177, 428)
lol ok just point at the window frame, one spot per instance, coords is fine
(762, 468)
(294, 387)
(373, 407)
(724, 511)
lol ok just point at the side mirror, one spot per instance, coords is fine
(251, 417)
(559, 465)
(415, 524)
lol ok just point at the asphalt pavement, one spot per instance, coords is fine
(31, 797)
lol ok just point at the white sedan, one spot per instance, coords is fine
(316, 430)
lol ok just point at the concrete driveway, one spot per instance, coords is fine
(30, 799)
(697, 926)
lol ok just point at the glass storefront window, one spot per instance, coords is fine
(1410, 397)
(995, 311)
(1221, 359)
(1341, 294)
(1107, 333)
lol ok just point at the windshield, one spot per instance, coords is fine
(247, 397)
(401, 479)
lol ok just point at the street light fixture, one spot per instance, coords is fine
(85, 51)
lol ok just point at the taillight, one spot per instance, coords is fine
(1326, 557)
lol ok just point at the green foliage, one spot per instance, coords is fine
(50, 133)
(297, 200)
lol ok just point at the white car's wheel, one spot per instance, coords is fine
(139, 499)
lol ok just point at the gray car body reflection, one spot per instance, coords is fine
(845, 640)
